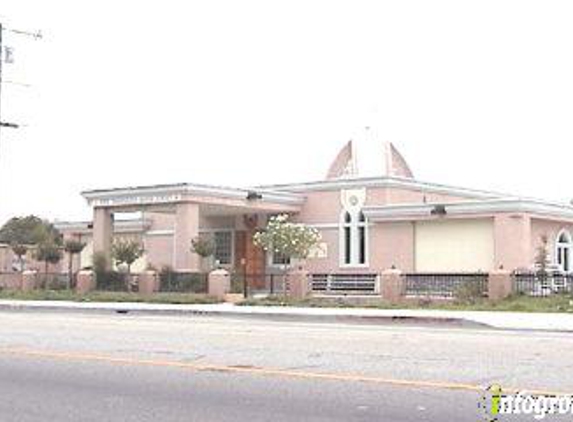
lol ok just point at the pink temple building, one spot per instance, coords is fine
(370, 210)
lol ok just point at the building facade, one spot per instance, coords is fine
(368, 222)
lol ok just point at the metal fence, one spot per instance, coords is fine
(53, 281)
(113, 281)
(258, 283)
(183, 282)
(542, 284)
(445, 285)
(345, 284)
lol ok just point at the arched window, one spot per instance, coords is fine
(361, 238)
(563, 250)
(354, 239)
(347, 238)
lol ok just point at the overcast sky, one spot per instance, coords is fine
(473, 93)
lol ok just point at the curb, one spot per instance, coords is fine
(132, 308)
(501, 321)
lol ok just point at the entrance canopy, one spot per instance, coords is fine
(215, 198)
(190, 204)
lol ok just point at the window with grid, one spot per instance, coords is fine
(223, 247)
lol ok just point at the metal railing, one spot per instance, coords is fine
(445, 285)
(344, 284)
(53, 281)
(183, 282)
(542, 284)
(258, 283)
(113, 281)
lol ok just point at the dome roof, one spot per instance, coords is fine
(368, 156)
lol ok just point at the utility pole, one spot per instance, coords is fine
(1, 64)
(36, 35)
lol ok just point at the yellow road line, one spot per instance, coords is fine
(87, 357)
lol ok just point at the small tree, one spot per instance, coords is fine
(20, 251)
(542, 256)
(203, 246)
(291, 240)
(72, 247)
(30, 230)
(48, 253)
(126, 251)
(99, 265)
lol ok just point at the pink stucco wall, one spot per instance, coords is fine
(331, 261)
(159, 250)
(392, 244)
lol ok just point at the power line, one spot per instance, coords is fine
(36, 35)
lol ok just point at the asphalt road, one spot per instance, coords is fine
(106, 367)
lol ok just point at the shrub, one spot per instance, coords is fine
(468, 293)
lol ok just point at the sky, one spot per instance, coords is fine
(473, 93)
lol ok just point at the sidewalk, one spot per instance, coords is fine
(497, 320)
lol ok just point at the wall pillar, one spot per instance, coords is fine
(85, 282)
(219, 283)
(29, 280)
(392, 285)
(103, 232)
(148, 282)
(500, 285)
(297, 284)
(186, 228)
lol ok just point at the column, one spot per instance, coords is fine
(512, 235)
(186, 228)
(103, 232)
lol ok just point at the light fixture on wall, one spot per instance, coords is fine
(252, 195)
(439, 210)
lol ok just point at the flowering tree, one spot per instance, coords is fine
(291, 240)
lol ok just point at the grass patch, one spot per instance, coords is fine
(101, 296)
(517, 303)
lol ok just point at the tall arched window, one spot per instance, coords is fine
(563, 250)
(354, 239)
(347, 238)
(361, 238)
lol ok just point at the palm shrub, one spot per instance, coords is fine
(48, 253)
(126, 251)
(72, 247)
(20, 251)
